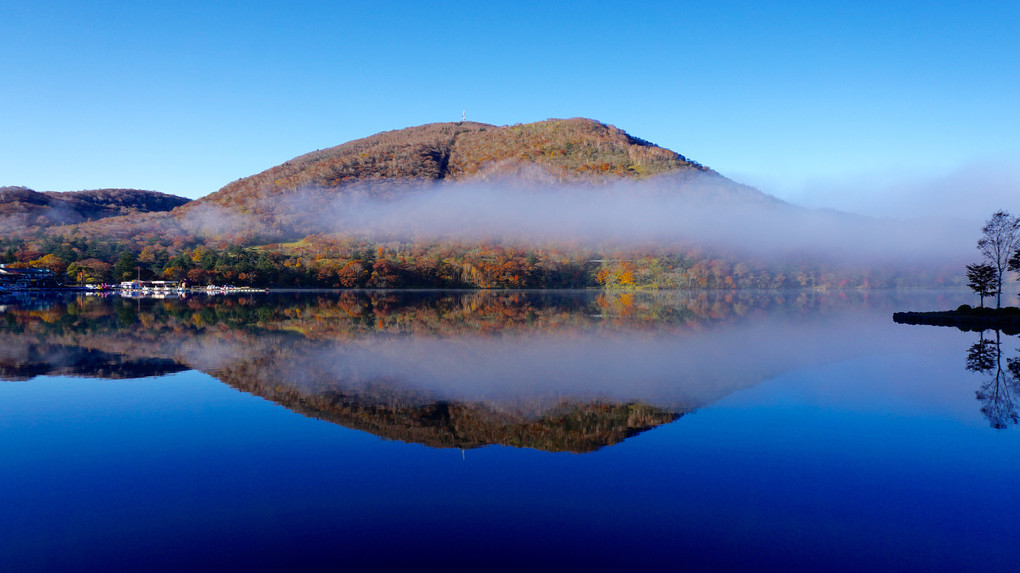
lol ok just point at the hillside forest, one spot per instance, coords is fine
(339, 261)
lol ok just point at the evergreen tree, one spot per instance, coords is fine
(983, 280)
(126, 267)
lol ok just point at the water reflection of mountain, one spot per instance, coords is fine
(551, 370)
(378, 409)
(22, 360)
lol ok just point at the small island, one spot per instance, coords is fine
(967, 318)
(1000, 246)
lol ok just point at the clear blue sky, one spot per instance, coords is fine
(798, 98)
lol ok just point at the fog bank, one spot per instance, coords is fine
(695, 212)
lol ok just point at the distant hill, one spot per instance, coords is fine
(21, 207)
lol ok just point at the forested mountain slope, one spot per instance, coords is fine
(21, 207)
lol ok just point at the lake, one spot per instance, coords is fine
(788, 430)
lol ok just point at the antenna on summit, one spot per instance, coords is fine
(463, 115)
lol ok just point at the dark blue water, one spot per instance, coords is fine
(810, 433)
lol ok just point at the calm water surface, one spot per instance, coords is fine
(505, 431)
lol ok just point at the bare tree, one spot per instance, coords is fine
(1001, 237)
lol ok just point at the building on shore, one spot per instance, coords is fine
(22, 278)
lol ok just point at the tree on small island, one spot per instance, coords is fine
(1014, 262)
(983, 279)
(999, 246)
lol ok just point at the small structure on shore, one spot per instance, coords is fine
(152, 285)
(23, 278)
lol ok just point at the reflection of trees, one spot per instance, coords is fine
(351, 314)
(1000, 390)
(983, 356)
(1009, 392)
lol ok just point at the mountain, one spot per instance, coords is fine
(21, 207)
(300, 196)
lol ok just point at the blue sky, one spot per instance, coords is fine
(822, 103)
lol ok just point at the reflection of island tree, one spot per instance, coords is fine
(998, 394)
(983, 356)
(1005, 398)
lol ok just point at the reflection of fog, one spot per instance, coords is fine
(672, 349)
(999, 392)
(25, 359)
(567, 370)
(673, 370)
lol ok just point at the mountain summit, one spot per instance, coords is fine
(574, 150)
